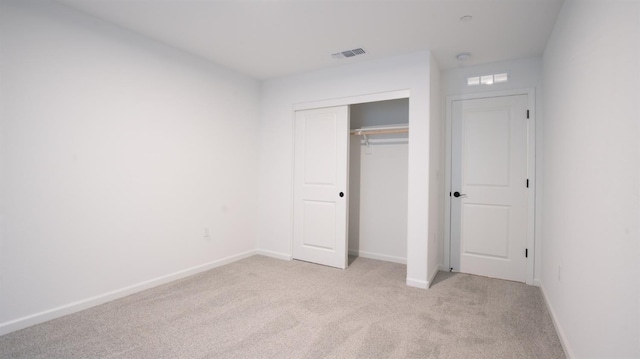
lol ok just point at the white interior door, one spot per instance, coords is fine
(489, 203)
(321, 155)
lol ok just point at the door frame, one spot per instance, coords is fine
(342, 101)
(531, 171)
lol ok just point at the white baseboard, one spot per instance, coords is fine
(41, 317)
(563, 339)
(536, 282)
(276, 255)
(381, 257)
(416, 283)
(434, 272)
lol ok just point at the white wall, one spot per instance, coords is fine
(591, 201)
(278, 97)
(380, 113)
(523, 74)
(378, 180)
(116, 153)
(380, 213)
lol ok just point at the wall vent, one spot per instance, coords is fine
(348, 53)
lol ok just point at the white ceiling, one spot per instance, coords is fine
(267, 39)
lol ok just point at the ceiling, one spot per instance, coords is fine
(267, 39)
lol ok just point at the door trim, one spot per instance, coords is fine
(341, 101)
(531, 173)
(352, 100)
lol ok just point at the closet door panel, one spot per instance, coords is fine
(321, 150)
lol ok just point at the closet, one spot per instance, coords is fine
(378, 180)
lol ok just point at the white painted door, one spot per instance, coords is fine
(321, 153)
(489, 202)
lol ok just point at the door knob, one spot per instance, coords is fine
(458, 194)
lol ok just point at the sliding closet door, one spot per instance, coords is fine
(321, 153)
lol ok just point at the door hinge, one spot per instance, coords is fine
(526, 252)
(527, 113)
(527, 183)
(449, 194)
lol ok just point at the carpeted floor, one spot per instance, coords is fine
(266, 308)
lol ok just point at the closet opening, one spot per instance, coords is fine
(378, 180)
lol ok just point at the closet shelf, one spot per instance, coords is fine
(380, 130)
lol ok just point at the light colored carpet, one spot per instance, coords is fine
(266, 308)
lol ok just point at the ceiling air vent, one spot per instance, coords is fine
(348, 53)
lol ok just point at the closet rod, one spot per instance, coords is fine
(380, 131)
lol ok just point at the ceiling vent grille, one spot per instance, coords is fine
(348, 53)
